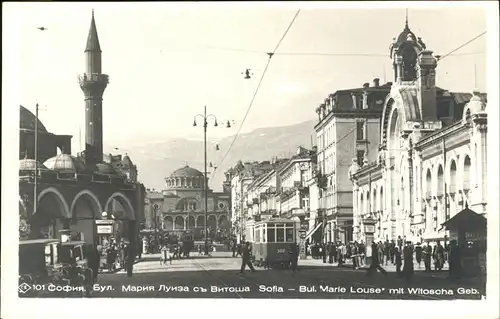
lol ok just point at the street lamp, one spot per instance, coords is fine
(205, 118)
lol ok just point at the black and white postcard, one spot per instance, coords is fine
(268, 151)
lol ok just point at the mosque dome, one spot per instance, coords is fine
(27, 121)
(186, 171)
(107, 169)
(65, 163)
(30, 165)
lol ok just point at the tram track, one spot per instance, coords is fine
(200, 266)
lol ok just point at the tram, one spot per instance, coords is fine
(273, 241)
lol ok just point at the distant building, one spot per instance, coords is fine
(348, 126)
(431, 158)
(277, 188)
(181, 205)
(240, 177)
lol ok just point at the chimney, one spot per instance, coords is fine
(426, 85)
(366, 85)
(376, 82)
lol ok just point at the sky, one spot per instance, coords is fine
(167, 60)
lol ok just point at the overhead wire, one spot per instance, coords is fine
(270, 54)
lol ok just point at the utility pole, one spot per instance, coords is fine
(205, 117)
(35, 191)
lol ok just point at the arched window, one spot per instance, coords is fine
(368, 203)
(361, 205)
(179, 222)
(467, 173)
(382, 199)
(428, 184)
(453, 178)
(440, 181)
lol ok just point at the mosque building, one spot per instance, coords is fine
(70, 192)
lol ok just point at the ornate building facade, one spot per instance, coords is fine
(181, 205)
(430, 158)
(348, 124)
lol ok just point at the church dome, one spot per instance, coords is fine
(27, 121)
(187, 172)
(107, 169)
(30, 165)
(65, 163)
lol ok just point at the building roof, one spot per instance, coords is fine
(186, 171)
(107, 169)
(65, 163)
(93, 38)
(27, 121)
(28, 164)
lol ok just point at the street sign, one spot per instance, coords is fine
(104, 229)
(104, 222)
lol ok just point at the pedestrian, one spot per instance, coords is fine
(438, 254)
(393, 251)
(294, 257)
(387, 250)
(324, 252)
(380, 247)
(331, 249)
(362, 253)
(233, 248)
(164, 255)
(354, 256)
(245, 258)
(375, 262)
(399, 260)
(408, 261)
(455, 261)
(418, 254)
(427, 257)
(94, 260)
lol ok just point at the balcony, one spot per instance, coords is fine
(90, 78)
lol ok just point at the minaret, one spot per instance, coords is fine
(93, 83)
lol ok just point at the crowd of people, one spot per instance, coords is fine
(400, 253)
(115, 255)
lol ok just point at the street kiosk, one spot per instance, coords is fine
(469, 230)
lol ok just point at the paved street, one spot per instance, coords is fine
(219, 276)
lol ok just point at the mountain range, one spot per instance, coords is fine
(157, 160)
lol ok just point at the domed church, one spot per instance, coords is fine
(180, 206)
(59, 191)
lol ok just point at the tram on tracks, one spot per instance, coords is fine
(273, 242)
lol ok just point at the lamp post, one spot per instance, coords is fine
(205, 118)
(156, 207)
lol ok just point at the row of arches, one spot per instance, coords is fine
(435, 181)
(433, 186)
(190, 222)
(53, 213)
(84, 204)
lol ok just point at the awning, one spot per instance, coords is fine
(434, 236)
(313, 230)
(467, 220)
